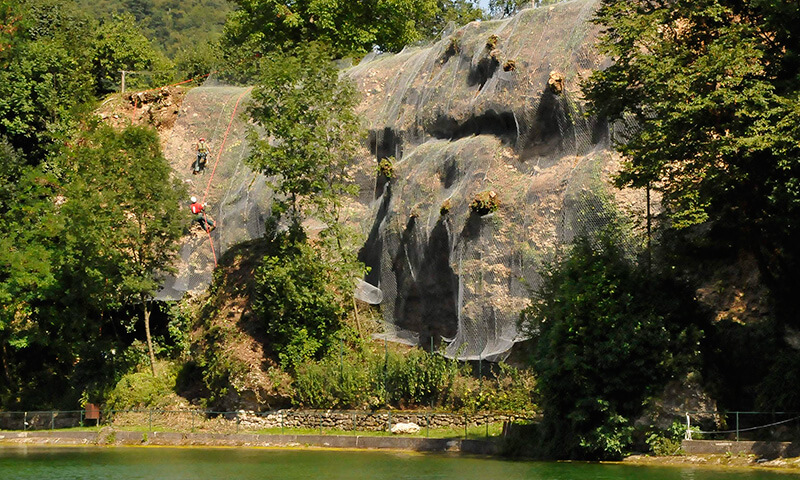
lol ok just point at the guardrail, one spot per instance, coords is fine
(742, 426)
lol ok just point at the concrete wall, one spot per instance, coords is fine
(762, 449)
(108, 436)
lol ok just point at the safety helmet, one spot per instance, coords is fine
(202, 139)
(193, 199)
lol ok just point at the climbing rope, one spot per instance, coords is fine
(214, 170)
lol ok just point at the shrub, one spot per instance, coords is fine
(485, 202)
(386, 167)
(667, 442)
(445, 208)
(298, 297)
(141, 390)
(608, 335)
(491, 42)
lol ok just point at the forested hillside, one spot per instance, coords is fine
(175, 26)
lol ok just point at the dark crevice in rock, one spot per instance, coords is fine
(449, 172)
(501, 124)
(370, 253)
(426, 300)
(483, 71)
(552, 127)
(385, 143)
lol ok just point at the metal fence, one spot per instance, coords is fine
(426, 424)
(744, 426)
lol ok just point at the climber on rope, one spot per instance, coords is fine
(202, 156)
(198, 209)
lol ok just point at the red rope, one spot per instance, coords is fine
(224, 139)
(214, 170)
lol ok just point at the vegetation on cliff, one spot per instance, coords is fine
(92, 219)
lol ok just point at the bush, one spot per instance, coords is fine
(667, 442)
(407, 379)
(485, 203)
(335, 383)
(386, 167)
(608, 334)
(141, 390)
(299, 298)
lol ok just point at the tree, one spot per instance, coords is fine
(458, 12)
(309, 133)
(43, 79)
(348, 27)
(712, 88)
(298, 296)
(307, 137)
(30, 229)
(607, 336)
(123, 219)
(120, 45)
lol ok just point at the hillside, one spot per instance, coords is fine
(175, 26)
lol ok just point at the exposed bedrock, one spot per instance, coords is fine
(478, 112)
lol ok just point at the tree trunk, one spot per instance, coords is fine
(4, 358)
(146, 307)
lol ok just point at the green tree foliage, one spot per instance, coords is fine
(309, 131)
(123, 218)
(30, 228)
(43, 81)
(712, 87)
(308, 135)
(175, 26)
(607, 336)
(348, 27)
(120, 45)
(506, 8)
(458, 12)
(299, 296)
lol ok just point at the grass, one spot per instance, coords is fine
(473, 432)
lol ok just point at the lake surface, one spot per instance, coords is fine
(65, 463)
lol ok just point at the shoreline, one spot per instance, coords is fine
(117, 438)
(111, 437)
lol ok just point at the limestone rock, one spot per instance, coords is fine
(405, 428)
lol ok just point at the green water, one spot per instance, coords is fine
(44, 463)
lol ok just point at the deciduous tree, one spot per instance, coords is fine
(712, 91)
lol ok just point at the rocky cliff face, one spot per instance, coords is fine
(490, 165)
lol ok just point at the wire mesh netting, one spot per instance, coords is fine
(492, 108)
(238, 198)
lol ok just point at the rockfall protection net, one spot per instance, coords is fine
(493, 106)
(238, 199)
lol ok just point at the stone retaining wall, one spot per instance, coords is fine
(364, 422)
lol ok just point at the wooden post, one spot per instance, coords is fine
(122, 87)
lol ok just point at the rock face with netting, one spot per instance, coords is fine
(491, 165)
(238, 198)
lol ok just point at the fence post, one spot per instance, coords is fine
(319, 417)
(281, 422)
(150, 421)
(688, 435)
(486, 421)
(428, 416)
(389, 426)
(237, 421)
(25, 422)
(52, 420)
(737, 426)
(354, 421)
(466, 423)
